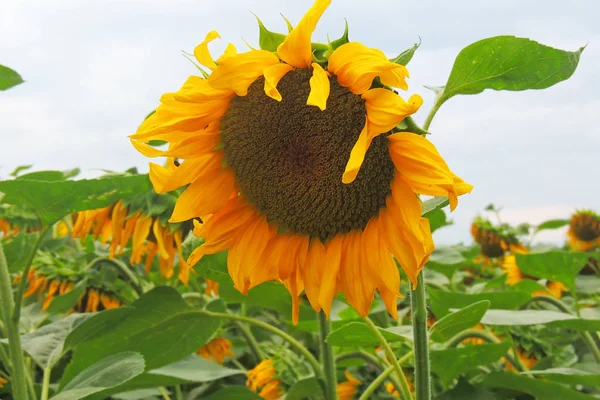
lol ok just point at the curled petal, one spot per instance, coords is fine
(357, 155)
(319, 88)
(238, 72)
(203, 54)
(273, 75)
(385, 109)
(296, 49)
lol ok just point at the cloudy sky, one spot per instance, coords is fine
(94, 69)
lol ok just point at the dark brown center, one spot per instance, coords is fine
(586, 227)
(289, 157)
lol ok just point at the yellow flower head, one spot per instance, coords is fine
(515, 275)
(527, 359)
(3, 382)
(584, 231)
(495, 241)
(295, 165)
(93, 300)
(263, 379)
(212, 288)
(347, 389)
(217, 349)
(7, 229)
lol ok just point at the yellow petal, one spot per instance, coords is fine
(273, 75)
(357, 155)
(423, 168)
(238, 72)
(296, 49)
(319, 88)
(385, 109)
(357, 65)
(203, 54)
(333, 259)
(313, 272)
(166, 179)
(230, 51)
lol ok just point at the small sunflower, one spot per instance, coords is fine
(263, 380)
(515, 275)
(3, 381)
(347, 389)
(212, 288)
(584, 231)
(391, 389)
(217, 349)
(495, 241)
(527, 359)
(7, 230)
(45, 286)
(295, 165)
(95, 299)
(147, 235)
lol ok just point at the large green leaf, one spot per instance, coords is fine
(450, 363)
(54, 200)
(463, 390)
(304, 389)
(552, 224)
(109, 372)
(562, 266)
(49, 176)
(465, 318)
(445, 301)
(17, 250)
(234, 393)
(64, 302)
(508, 63)
(535, 317)
(9, 78)
(540, 389)
(569, 376)
(195, 369)
(162, 327)
(358, 334)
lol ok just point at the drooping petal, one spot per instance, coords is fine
(165, 179)
(333, 260)
(385, 109)
(423, 168)
(238, 72)
(296, 49)
(357, 282)
(273, 75)
(357, 65)
(357, 155)
(313, 271)
(230, 51)
(203, 54)
(205, 195)
(319, 88)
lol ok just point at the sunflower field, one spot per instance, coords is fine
(281, 247)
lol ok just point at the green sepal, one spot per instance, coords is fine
(407, 55)
(268, 40)
(333, 45)
(288, 23)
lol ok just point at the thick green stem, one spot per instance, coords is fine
(178, 393)
(436, 106)
(327, 357)
(18, 382)
(487, 337)
(252, 343)
(46, 383)
(391, 358)
(293, 342)
(421, 340)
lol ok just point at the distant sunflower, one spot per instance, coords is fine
(94, 299)
(391, 389)
(295, 165)
(7, 229)
(527, 359)
(217, 349)
(146, 235)
(347, 389)
(515, 275)
(212, 288)
(263, 380)
(584, 230)
(3, 381)
(495, 241)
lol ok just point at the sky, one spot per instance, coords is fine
(94, 69)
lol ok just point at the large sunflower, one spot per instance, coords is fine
(295, 165)
(584, 230)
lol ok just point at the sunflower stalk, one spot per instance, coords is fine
(327, 357)
(421, 340)
(386, 374)
(46, 384)
(391, 358)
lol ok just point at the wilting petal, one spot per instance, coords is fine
(203, 54)
(273, 75)
(296, 49)
(313, 272)
(319, 88)
(333, 259)
(357, 282)
(385, 109)
(238, 72)
(423, 168)
(357, 155)
(357, 65)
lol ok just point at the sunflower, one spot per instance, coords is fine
(515, 275)
(526, 358)
(263, 380)
(146, 234)
(7, 229)
(45, 286)
(295, 164)
(347, 389)
(212, 288)
(584, 230)
(95, 299)
(3, 381)
(495, 241)
(217, 349)
(391, 389)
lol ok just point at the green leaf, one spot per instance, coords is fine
(162, 327)
(304, 388)
(17, 250)
(64, 302)
(535, 317)
(49, 176)
(433, 204)
(358, 334)
(54, 200)
(99, 324)
(234, 393)
(463, 390)
(407, 55)
(140, 394)
(341, 41)
(508, 63)
(268, 40)
(465, 318)
(584, 284)
(552, 224)
(437, 219)
(537, 388)
(9, 78)
(569, 376)
(498, 300)
(195, 369)
(109, 372)
(562, 266)
(20, 168)
(450, 363)
(46, 345)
